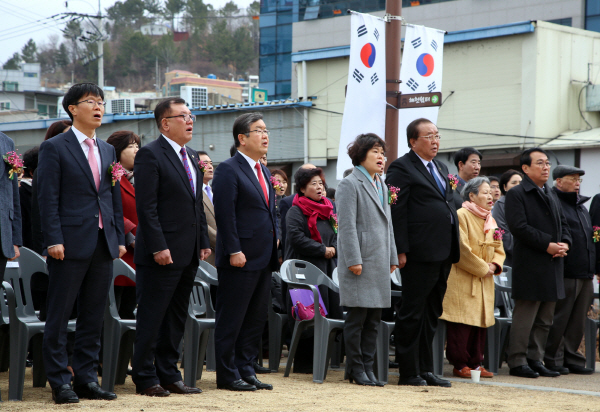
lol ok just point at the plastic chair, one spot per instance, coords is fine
(115, 360)
(497, 335)
(195, 338)
(277, 328)
(4, 303)
(303, 275)
(591, 331)
(4, 333)
(208, 274)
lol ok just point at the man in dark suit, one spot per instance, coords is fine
(246, 254)
(426, 234)
(171, 236)
(541, 239)
(468, 164)
(82, 222)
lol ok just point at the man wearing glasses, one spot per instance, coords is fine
(82, 222)
(541, 241)
(171, 238)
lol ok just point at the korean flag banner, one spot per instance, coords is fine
(421, 72)
(364, 109)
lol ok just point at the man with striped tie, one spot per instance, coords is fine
(171, 238)
(207, 199)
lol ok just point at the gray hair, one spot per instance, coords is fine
(472, 186)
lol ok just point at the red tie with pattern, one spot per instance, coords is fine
(262, 181)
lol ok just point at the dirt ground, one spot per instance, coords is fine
(299, 393)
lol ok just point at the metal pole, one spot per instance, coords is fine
(393, 56)
(305, 98)
(100, 49)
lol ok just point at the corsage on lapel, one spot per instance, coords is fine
(15, 164)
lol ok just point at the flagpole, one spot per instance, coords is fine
(393, 55)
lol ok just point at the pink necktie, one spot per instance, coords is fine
(94, 166)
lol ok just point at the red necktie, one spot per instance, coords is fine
(262, 181)
(94, 166)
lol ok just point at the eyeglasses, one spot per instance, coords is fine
(573, 179)
(543, 164)
(432, 137)
(259, 131)
(186, 117)
(93, 103)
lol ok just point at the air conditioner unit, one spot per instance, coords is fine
(120, 106)
(194, 96)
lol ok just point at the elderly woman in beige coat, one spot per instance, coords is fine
(469, 300)
(366, 254)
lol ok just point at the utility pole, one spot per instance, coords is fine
(393, 56)
(100, 49)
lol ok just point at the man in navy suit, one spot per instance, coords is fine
(171, 236)
(246, 254)
(82, 222)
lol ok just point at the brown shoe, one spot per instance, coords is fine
(463, 373)
(155, 390)
(484, 372)
(181, 388)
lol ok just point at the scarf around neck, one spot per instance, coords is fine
(482, 213)
(314, 210)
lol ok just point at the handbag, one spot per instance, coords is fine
(304, 306)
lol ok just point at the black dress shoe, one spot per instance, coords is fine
(524, 371)
(64, 394)
(393, 365)
(539, 367)
(560, 369)
(238, 385)
(181, 388)
(412, 381)
(253, 380)
(93, 391)
(260, 369)
(154, 390)
(579, 370)
(433, 380)
(373, 379)
(360, 378)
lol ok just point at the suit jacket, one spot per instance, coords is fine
(10, 206)
(422, 215)
(169, 215)
(535, 220)
(130, 222)
(246, 222)
(69, 201)
(209, 211)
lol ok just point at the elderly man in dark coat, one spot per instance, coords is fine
(562, 349)
(542, 238)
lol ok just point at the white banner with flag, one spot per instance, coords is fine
(364, 110)
(421, 72)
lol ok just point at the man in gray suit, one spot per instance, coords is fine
(10, 209)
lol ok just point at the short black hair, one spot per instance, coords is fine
(412, 130)
(30, 160)
(493, 179)
(506, 177)
(526, 155)
(164, 107)
(232, 150)
(358, 149)
(463, 155)
(242, 125)
(57, 128)
(303, 177)
(77, 91)
(121, 139)
(331, 193)
(202, 152)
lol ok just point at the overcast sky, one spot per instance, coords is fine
(21, 20)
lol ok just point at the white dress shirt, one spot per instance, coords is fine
(252, 164)
(435, 169)
(86, 149)
(177, 149)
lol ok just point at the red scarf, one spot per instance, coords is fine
(314, 210)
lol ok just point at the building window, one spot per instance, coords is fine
(42, 110)
(29, 74)
(563, 22)
(592, 15)
(10, 86)
(4, 105)
(414, 3)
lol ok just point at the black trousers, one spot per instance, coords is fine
(163, 295)
(89, 279)
(360, 337)
(241, 314)
(3, 261)
(423, 289)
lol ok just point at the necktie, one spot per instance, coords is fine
(187, 169)
(437, 180)
(209, 193)
(261, 180)
(94, 166)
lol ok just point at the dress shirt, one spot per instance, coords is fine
(437, 172)
(86, 149)
(177, 149)
(204, 186)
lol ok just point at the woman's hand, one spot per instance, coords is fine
(491, 269)
(329, 252)
(392, 268)
(356, 269)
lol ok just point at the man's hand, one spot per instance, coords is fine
(122, 251)
(356, 269)
(329, 252)
(392, 268)
(401, 260)
(205, 253)
(238, 260)
(557, 249)
(57, 252)
(163, 257)
(17, 253)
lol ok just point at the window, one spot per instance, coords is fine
(284, 66)
(10, 86)
(268, 40)
(42, 109)
(27, 74)
(284, 38)
(267, 69)
(4, 105)
(592, 15)
(568, 21)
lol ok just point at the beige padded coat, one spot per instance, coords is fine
(469, 297)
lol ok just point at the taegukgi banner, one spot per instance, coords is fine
(364, 110)
(421, 72)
